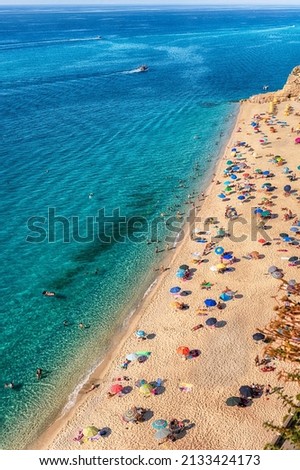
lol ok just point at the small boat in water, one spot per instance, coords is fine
(143, 68)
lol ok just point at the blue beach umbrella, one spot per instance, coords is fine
(221, 196)
(211, 321)
(287, 188)
(295, 229)
(180, 273)
(159, 424)
(227, 256)
(175, 290)
(225, 297)
(258, 210)
(287, 239)
(266, 173)
(258, 336)
(210, 303)
(233, 177)
(140, 334)
(235, 168)
(219, 250)
(241, 198)
(227, 183)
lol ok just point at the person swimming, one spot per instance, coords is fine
(48, 293)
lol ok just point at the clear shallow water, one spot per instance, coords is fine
(75, 120)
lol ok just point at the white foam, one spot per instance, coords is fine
(73, 395)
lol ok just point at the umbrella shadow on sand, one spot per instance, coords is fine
(126, 390)
(151, 336)
(105, 432)
(220, 324)
(183, 432)
(148, 415)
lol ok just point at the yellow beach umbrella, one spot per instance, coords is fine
(146, 389)
(90, 431)
(220, 266)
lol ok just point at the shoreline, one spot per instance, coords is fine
(227, 351)
(100, 371)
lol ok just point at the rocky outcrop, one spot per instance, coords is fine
(291, 90)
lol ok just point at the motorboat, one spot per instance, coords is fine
(143, 68)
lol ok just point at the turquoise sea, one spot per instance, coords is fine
(83, 130)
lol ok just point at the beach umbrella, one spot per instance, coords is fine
(235, 168)
(116, 388)
(228, 189)
(258, 336)
(286, 170)
(90, 431)
(241, 198)
(233, 177)
(246, 175)
(146, 389)
(283, 235)
(162, 434)
(277, 275)
(229, 162)
(211, 321)
(159, 424)
(295, 229)
(272, 269)
(297, 140)
(184, 267)
(298, 167)
(265, 214)
(266, 185)
(258, 170)
(180, 273)
(130, 415)
(287, 188)
(233, 149)
(227, 183)
(140, 334)
(210, 303)
(292, 282)
(266, 173)
(225, 297)
(183, 350)
(233, 401)
(227, 256)
(221, 266)
(261, 240)
(132, 357)
(219, 250)
(258, 210)
(246, 391)
(287, 239)
(292, 259)
(221, 196)
(175, 290)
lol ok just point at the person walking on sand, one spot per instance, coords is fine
(257, 361)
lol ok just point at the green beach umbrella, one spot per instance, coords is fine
(298, 167)
(265, 214)
(229, 162)
(258, 170)
(228, 189)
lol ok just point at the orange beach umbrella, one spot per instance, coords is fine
(183, 350)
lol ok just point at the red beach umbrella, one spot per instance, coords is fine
(116, 388)
(261, 240)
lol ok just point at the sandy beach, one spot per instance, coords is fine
(227, 352)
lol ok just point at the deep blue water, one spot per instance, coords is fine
(76, 119)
